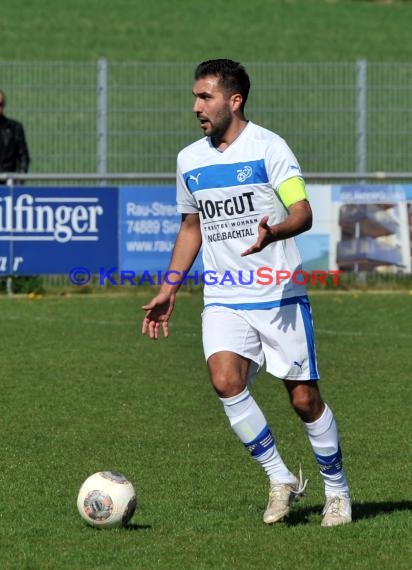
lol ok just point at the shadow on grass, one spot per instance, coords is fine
(368, 510)
(133, 526)
(359, 511)
(127, 528)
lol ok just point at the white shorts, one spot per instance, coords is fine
(282, 337)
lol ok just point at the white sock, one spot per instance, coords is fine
(249, 424)
(324, 438)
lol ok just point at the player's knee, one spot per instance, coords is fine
(227, 386)
(307, 403)
(228, 374)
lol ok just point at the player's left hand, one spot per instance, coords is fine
(265, 237)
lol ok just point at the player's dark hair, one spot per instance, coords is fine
(233, 77)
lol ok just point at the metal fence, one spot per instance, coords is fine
(109, 117)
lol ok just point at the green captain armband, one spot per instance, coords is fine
(292, 190)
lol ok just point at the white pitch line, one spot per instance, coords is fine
(136, 323)
(338, 333)
(360, 333)
(102, 322)
(57, 320)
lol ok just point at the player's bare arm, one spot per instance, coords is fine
(298, 221)
(186, 248)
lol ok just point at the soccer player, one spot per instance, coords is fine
(242, 197)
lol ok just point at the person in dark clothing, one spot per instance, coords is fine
(14, 153)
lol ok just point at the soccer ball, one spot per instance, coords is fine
(106, 499)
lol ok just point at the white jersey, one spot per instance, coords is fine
(231, 191)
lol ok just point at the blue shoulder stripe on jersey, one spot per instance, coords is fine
(224, 175)
(262, 304)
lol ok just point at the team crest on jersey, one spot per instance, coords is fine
(244, 173)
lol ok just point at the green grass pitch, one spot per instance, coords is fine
(82, 390)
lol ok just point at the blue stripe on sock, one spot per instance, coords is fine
(331, 464)
(262, 443)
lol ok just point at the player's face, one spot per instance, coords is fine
(212, 106)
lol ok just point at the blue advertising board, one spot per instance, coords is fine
(148, 225)
(52, 230)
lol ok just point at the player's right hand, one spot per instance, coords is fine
(158, 312)
(265, 237)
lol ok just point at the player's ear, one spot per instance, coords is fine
(236, 101)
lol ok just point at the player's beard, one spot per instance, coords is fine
(219, 127)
